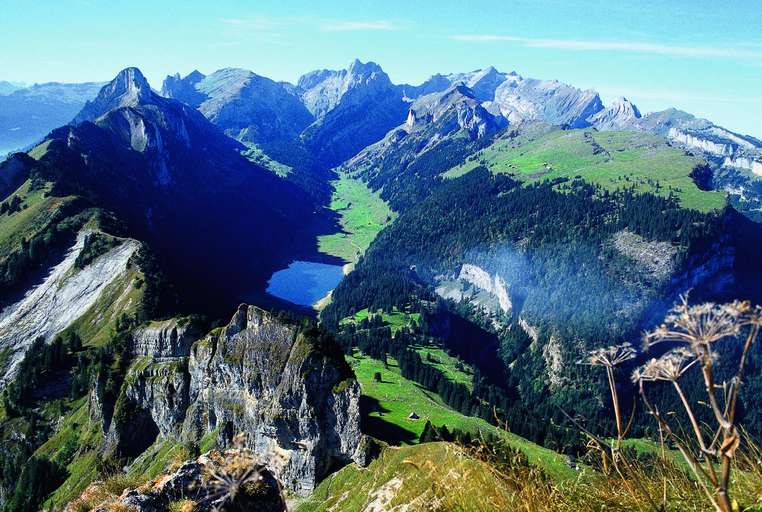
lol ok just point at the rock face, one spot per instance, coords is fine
(296, 403)
(732, 150)
(246, 106)
(166, 338)
(719, 148)
(749, 163)
(262, 378)
(484, 281)
(65, 294)
(160, 388)
(620, 115)
(353, 108)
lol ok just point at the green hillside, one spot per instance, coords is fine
(394, 398)
(362, 214)
(614, 160)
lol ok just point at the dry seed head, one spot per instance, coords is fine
(610, 356)
(226, 476)
(702, 324)
(669, 367)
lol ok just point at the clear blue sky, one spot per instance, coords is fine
(702, 56)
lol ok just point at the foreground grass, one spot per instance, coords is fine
(362, 215)
(613, 160)
(389, 403)
(419, 477)
(445, 477)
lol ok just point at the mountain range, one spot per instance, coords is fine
(489, 230)
(232, 98)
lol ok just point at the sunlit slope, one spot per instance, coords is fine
(431, 476)
(389, 402)
(614, 160)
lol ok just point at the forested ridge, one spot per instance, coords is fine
(552, 242)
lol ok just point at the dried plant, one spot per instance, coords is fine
(610, 358)
(698, 329)
(235, 474)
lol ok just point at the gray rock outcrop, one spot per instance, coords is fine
(294, 401)
(165, 338)
(620, 115)
(266, 380)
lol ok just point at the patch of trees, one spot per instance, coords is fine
(95, 244)
(11, 206)
(40, 361)
(404, 183)
(38, 478)
(159, 296)
(84, 366)
(33, 252)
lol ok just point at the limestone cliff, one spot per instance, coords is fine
(291, 397)
(265, 379)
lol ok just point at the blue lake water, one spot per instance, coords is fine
(304, 282)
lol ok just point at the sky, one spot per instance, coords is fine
(704, 57)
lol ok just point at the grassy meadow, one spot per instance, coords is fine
(613, 160)
(362, 215)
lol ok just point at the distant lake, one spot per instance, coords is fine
(304, 282)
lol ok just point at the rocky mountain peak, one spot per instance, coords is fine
(246, 106)
(129, 88)
(196, 75)
(321, 91)
(183, 89)
(358, 67)
(458, 91)
(622, 104)
(620, 115)
(438, 115)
